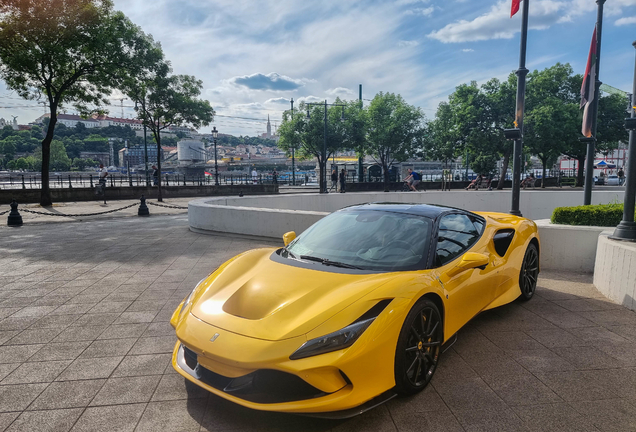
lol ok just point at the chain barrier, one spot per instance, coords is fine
(4, 212)
(166, 206)
(76, 215)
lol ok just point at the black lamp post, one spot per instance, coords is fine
(516, 133)
(626, 229)
(293, 148)
(145, 146)
(323, 173)
(215, 134)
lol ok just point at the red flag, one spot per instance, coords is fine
(515, 7)
(588, 88)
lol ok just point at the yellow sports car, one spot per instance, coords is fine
(353, 311)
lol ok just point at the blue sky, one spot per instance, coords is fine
(253, 56)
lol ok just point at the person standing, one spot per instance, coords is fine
(254, 176)
(155, 175)
(334, 180)
(275, 176)
(343, 180)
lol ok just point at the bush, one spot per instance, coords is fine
(592, 215)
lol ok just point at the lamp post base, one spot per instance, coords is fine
(625, 231)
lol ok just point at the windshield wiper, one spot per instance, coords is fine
(328, 262)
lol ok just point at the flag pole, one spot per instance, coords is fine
(517, 132)
(591, 142)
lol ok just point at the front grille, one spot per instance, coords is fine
(266, 386)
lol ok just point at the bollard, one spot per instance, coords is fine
(143, 208)
(240, 193)
(14, 216)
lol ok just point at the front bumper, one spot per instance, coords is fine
(258, 374)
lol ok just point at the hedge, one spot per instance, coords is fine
(592, 215)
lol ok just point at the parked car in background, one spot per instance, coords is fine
(612, 180)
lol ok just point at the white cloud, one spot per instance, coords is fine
(276, 101)
(468, 50)
(408, 43)
(625, 21)
(309, 99)
(339, 92)
(496, 23)
(410, 2)
(421, 11)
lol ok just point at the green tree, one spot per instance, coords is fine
(444, 142)
(59, 159)
(307, 135)
(395, 131)
(71, 52)
(164, 100)
(611, 123)
(484, 163)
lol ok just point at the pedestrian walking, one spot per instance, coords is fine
(103, 173)
(254, 176)
(343, 180)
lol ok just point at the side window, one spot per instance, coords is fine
(479, 225)
(457, 233)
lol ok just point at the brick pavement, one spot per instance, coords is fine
(85, 344)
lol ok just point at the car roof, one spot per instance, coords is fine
(432, 211)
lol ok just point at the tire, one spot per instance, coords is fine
(529, 273)
(418, 348)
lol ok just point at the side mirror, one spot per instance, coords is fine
(289, 237)
(472, 260)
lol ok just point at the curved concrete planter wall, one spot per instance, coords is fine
(615, 270)
(563, 247)
(568, 247)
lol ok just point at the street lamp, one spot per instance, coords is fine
(215, 134)
(145, 144)
(323, 173)
(293, 147)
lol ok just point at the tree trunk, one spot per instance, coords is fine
(322, 180)
(159, 196)
(504, 169)
(45, 194)
(543, 162)
(579, 173)
(385, 168)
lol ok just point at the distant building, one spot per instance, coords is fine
(105, 121)
(103, 157)
(70, 120)
(136, 155)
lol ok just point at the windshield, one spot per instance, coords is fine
(366, 239)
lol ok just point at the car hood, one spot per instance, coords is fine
(254, 296)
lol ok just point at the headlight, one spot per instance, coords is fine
(340, 339)
(186, 302)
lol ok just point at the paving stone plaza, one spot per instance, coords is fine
(85, 344)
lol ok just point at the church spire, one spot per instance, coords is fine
(269, 128)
